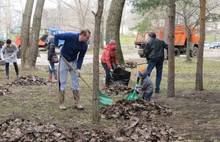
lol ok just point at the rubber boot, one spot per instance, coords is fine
(50, 77)
(77, 100)
(61, 100)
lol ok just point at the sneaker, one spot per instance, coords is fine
(7, 77)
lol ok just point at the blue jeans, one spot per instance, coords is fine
(147, 96)
(159, 69)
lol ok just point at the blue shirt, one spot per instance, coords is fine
(72, 49)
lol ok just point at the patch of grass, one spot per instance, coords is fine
(127, 40)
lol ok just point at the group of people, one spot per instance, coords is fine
(74, 50)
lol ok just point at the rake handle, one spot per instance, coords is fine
(69, 65)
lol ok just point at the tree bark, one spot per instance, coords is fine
(35, 33)
(113, 25)
(25, 30)
(199, 69)
(171, 63)
(95, 100)
(188, 45)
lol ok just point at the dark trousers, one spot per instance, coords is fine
(7, 68)
(159, 70)
(52, 68)
(147, 96)
(107, 74)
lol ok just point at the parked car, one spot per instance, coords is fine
(206, 44)
(214, 45)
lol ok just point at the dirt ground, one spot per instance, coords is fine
(195, 115)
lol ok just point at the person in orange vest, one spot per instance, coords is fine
(145, 86)
(109, 60)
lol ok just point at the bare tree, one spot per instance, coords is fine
(95, 101)
(35, 33)
(199, 69)
(25, 29)
(113, 25)
(171, 63)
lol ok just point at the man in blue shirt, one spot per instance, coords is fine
(73, 50)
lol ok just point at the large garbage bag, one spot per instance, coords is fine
(121, 76)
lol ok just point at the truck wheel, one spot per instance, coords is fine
(176, 52)
(193, 53)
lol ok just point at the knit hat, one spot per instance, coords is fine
(50, 39)
(112, 42)
(141, 71)
(8, 41)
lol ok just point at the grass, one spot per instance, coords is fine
(41, 102)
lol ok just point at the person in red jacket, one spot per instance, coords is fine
(109, 60)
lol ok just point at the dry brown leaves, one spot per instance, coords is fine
(24, 130)
(130, 65)
(117, 89)
(4, 91)
(124, 109)
(145, 131)
(28, 80)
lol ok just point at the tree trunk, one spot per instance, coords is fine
(171, 63)
(95, 100)
(188, 49)
(113, 25)
(25, 30)
(199, 69)
(35, 33)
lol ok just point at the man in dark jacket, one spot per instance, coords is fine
(73, 50)
(154, 51)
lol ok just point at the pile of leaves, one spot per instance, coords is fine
(18, 129)
(28, 80)
(130, 65)
(4, 91)
(117, 89)
(85, 134)
(142, 130)
(124, 109)
(23, 130)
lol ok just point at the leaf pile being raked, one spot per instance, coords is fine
(124, 109)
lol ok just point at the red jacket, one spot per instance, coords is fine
(109, 56)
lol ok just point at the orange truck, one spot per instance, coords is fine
(180, 41)
(41, 43)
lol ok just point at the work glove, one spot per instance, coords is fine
(78, 72)
(111, 73)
